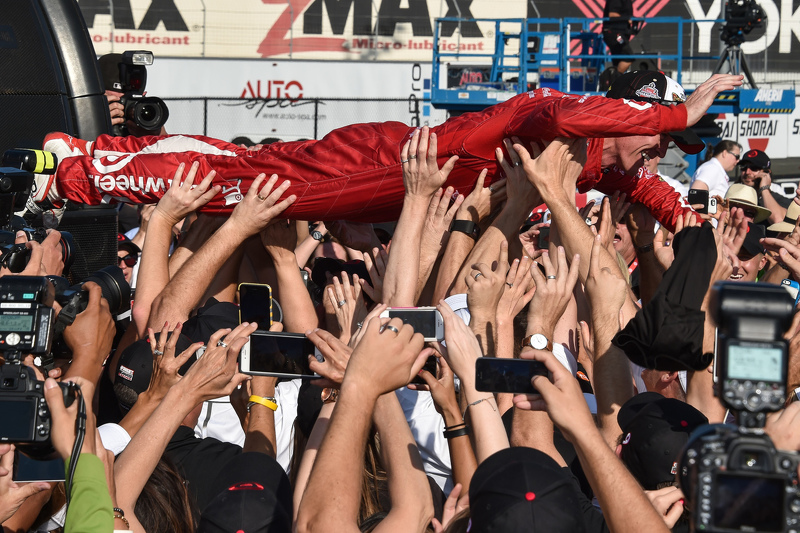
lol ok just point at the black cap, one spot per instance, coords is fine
(752, 241)
(124, 243)
(253, 496)
(756, 159)
(656, 87)
(655, 430)
(522, 489)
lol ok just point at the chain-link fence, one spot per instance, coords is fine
(289, 120)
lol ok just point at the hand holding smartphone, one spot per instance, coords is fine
(493, 374)
(425, 320)
(270, 353)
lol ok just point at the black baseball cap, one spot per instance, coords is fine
(522, 489)
(756, 159)
(655, 430)
(752, 241)
(109, 70)
(124, 243)
(656, 87)
(253, 496)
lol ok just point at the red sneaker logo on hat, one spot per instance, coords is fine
(649, 91)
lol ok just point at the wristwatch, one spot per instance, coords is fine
(466, 226)
(537, 341)
(317, 235)
(763, 188)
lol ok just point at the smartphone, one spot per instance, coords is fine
(28, 470)
(793, 287)
(255, 304)
(698, 196)
(431, 366)
(425, 320)
(271, 353)
(493, 374)
(544, 237)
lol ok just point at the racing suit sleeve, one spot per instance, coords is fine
(658, 196)
(595, 116)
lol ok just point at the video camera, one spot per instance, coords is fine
(16, 181)
(733, 478)
(147, 112)
(741, 17)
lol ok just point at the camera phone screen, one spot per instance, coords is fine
(423, 322)
(755, 362)
(17, 416)
(282, 355)
(16, 323)
(748, 501)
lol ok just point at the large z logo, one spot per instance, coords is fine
(276, 41)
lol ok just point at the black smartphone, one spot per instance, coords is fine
(27, 470)
(493, 374)
(544, 237)
(271, 353)
(255, 304)
(431, 366)
(699, 196)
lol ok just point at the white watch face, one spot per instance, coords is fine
(539, 341)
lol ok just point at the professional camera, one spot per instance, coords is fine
(16, 181)
(733, 477)
(147, 112)
(741, 17)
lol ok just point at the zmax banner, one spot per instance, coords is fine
(402, 30)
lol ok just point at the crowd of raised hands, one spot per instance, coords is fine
(379, 444)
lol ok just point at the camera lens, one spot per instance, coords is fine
(115, 289)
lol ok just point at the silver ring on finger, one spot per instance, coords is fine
(412, 157)
(158, 352)
(551, 277)
(477, 276)
(491, 189)
(392, 328)
(221, 343)
(510, 285)
(403, 161)
(516, 163)
(342, 303)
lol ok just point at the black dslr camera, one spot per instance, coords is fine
(16, 181)
(733, 477)
(26, 326)
(147, 112)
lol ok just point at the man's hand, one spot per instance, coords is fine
(165, 363)
(485, 285)
(437, 222)
(641, 225)
(555, 171)
(668, 502)
(701, 98)
(518, 291)
(183, 197)
(13, 495)
(463, 348)
(260, 205)
(387, 357)
(336, 355)
(519, 190)
(356, 235)
(280, 238)
(91, 335)
(606, 289)
(116, 109)
(783, 428)
(62, 429)
(480, 202)
(421, 174)
(376, 268)
(553, 291)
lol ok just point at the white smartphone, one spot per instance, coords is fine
(269, 353)
(425, 320)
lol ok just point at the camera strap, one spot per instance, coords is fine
(80, 434)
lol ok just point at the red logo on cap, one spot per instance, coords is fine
(530, 496)
(246, 486)
(752, 153)
(120, 237)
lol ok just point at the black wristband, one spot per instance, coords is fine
(453, 433)
(466, 226)
(455, 426)
(645, 248)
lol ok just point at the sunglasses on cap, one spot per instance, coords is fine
(129, 260)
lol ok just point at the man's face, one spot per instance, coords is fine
(623, 243)
(749, 267)
(750, 175)
(124, 257)
(630, 153)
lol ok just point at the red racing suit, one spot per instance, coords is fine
(354, 173)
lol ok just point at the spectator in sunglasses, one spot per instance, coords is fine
(756, 172)
(713, 174)
(128, 258)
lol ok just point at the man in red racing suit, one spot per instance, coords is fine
(354, 173)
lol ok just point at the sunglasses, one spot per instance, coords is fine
(129, 260)
(737, 156)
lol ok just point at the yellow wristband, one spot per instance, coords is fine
(266, 402)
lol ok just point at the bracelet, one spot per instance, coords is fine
(476, 402)
(644, 249)
(120, 514)
(453, 433)
(266, 402)
(467, 227)
(764, 188)
(454, 426)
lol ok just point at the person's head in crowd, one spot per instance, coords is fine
(127, 255)
(786, 226)
(651, 164)
(330, 248)
(623, 243)
(751, 256)
(728, 153)
(522, 489)
(631, 152)
(667, 384)
(654, 431)
(746, 198)
(253, 494)
(164, 505)
(754, 166)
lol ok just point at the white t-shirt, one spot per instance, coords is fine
(714, 176)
